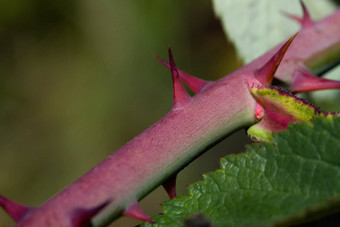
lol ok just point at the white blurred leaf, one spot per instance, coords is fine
(254, 26)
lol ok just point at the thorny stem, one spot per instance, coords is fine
(216, 111)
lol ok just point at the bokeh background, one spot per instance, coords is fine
(78, 80)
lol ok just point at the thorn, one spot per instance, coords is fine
(13, 209)
(194, 83)
(170, 186)
(266, 73)
(305, 81)
(305, 21)
(81, 217)
(181, 97)
(133, 211)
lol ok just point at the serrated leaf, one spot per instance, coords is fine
(272, 183)
(255, 26)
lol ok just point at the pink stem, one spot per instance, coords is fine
(150, 158)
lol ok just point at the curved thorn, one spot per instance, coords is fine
(266, 73)
(181, 97)
(305, 21)
(194, 83)
(305, 81)
(14, 209)
(82, 217)
(170, 186)
(133, 211)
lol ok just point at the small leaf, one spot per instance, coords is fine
(280, 109)
(284, 182)
(255, 26)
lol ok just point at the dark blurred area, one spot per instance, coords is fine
(78, 80)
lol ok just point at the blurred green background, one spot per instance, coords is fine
(78, 80)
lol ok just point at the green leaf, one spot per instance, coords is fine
(255, 26)
(286, 181)
(280, 109)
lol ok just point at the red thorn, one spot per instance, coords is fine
(305, 81)
(181, 97)
(13, 209)
(82, 217)
(266, 73)
(305, 21)
(194, 83)
(134, 211)
(170, 186)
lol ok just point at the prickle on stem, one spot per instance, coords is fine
(15, 210)
(194, 83)
(305, 21)
(170, 186)
(266, 73)
(133, 211)
(181, 96)
(82, 217)
(305, 81)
